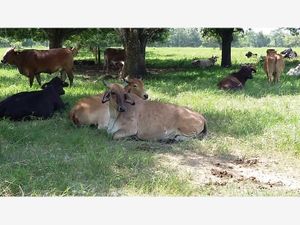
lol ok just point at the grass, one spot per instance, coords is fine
(52, 157)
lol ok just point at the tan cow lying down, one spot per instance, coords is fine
(90, 110)
(31, 62)
(273, 65)
(150, 120)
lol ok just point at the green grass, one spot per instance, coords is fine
(52, 157)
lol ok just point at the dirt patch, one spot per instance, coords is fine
(220, 170)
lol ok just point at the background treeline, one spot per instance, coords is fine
(6, 42)
(175, 37)
(191, 37)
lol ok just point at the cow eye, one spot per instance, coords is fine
(135, 85)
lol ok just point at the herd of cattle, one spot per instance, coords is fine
(123, 111)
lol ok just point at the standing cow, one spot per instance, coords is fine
(273, 65)
(115, 57)
(31, 62)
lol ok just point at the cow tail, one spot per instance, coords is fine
(203, 132)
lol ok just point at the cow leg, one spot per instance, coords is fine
(71, 77)
(31, 77)
(63, 76)
(38, 78)
(270, 78)
(122, 134)
(276, 76)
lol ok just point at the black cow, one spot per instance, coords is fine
(40, 104)
(289, 53)
(250, 54)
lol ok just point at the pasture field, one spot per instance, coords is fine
(252, 147)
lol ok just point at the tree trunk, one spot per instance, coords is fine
(227, 37)
(56, 37)
(99, 55)
(134, 46)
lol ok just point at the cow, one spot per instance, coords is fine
(273, 65)
(237, 80)
(39, 104)
(250, 54)
(111, 58)
(204, 63)
(130, 116)
(31, 62)
(289, 53)
(294, 71)
(90, 111)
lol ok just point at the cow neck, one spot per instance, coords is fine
(117, 117)
(16, 59)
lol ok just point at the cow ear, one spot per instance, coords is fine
(106, 96)
(127, 79)
(129, 99)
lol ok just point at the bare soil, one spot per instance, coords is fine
(264, 173)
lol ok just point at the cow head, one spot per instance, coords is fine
(213, 59)
(247, 70)
(248, 54)
(9, 56)
(117, 97)
(271, 51)
(57, 84)
(135, 86)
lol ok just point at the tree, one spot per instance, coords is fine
(56, 36)
(134, 41)
(226, 36)
(262, 40)
(94, 39)
(183, 37)
(277, 38)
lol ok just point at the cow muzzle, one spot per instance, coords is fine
(145, 96)
(121, 109)
(2, 61)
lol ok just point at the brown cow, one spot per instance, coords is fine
(273, 65)
(112, 56)
(90, 111)
(31, 62)
(150, 120)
